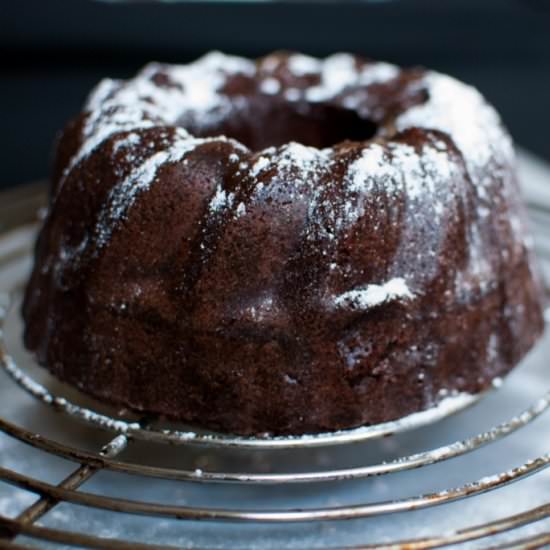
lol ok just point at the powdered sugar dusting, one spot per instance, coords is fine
(140, 103)
(261, 164)
(461, 112)
(241, 210)
(293, 94)
(201, 82)
(474, 126)
(123, 195)
(292, 158)
(339, 72)
(300, 64)
(420, 173)
(372, 164)
(303, 164)
(101, 93)
(130, 140)
(301, 155)
(395, 170)
(60, 403)
(374, 295)
(376, 73)
(221, 199)
(409, 164)
(270, 86)
(96, 130)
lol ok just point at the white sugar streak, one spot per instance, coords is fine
(129, 141)
(123, 195)
(222, 199)
(261, 164)
(374, 295)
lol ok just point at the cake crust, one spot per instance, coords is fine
(286, 245)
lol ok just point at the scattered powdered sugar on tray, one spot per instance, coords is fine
(60, 403)
(375, 294)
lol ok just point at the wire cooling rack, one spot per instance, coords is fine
(116, 458)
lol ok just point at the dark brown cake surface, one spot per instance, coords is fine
(351, 252)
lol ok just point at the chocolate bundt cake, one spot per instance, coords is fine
(289, 245)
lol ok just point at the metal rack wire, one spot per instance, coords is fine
(125, 433)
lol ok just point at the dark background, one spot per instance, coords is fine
(54, 51)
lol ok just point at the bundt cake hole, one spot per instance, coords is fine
(263, 125)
